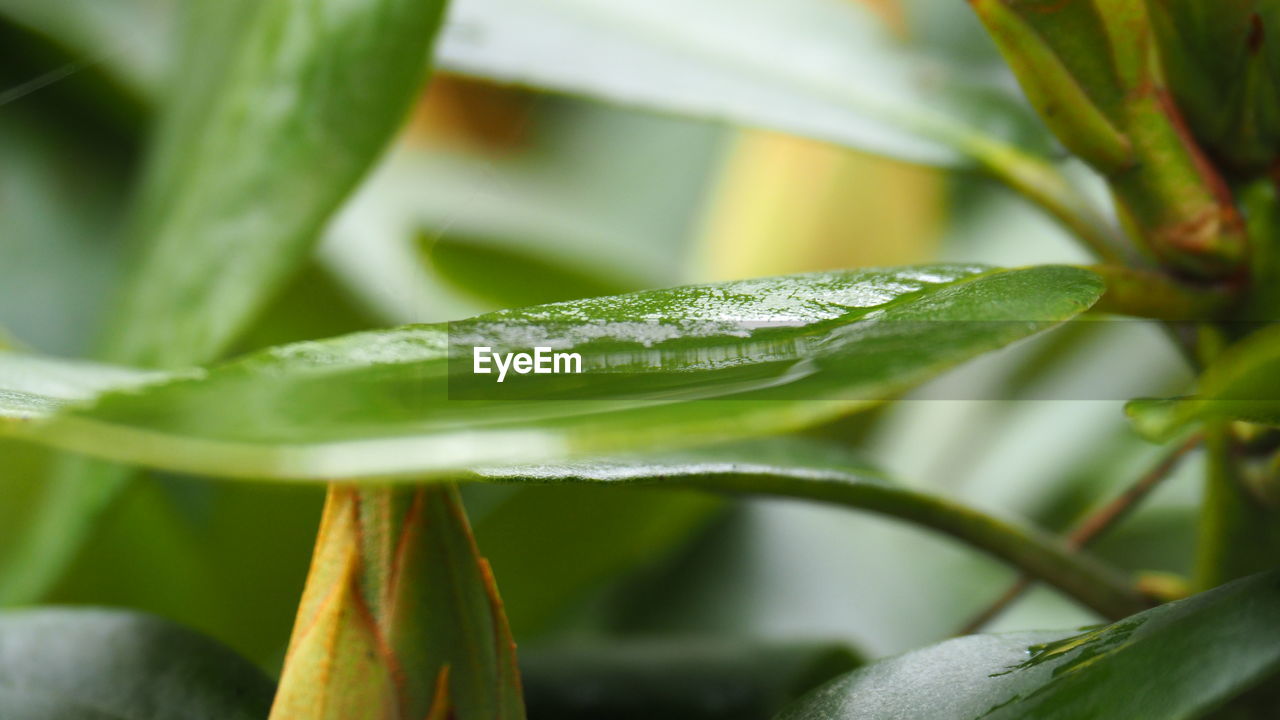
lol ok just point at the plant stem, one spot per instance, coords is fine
(1238, 535)
(1093, 584)
(1154, 294)
(1092, 527)
(1044, 185)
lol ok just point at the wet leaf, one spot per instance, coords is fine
(683, 366)
(1191, 655)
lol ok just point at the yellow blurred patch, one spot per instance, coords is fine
(788, 204)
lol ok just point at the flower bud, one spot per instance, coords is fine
(1091, 69)
(1218, 58)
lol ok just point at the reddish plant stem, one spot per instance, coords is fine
(1092, 527)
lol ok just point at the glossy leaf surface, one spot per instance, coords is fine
(1175, 661)
(113, 665)
(687, 366)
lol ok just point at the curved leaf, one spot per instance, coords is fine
(827, 69)
(112, 665)
(266, 94)
(684, 366)
(269, 93)
(1191, 655)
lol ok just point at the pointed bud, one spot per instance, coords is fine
(1092, 70)
(400, 618)
(1216, 56)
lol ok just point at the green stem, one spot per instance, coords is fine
(1094, 585)
(1238, 534)
(1154, 294)
(1045, 186)
(1093, 527)
(1100, 588)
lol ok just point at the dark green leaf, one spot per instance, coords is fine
(1175, 661)
(128, 37)
(529, 534)
(112, 665)
(686, 679)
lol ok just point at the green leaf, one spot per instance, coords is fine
(681, 679)
(266, 94)
(851, 80)
(610, 532)
(1191, 656)
(126, 36)
(270, 93)
(400, 612)
(684, 366)
(112, 665)
(1241, 384)
(857, 83)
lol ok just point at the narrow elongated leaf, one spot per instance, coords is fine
(267, 94)
(400, 615)
(113, 665)
(684, 366)
(682, 679)
(1242, 384)
(835, 70)
(1191, 656)
(271, 93)
(829, 69)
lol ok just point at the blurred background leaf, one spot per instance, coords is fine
(675, 679)
(113, 665)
